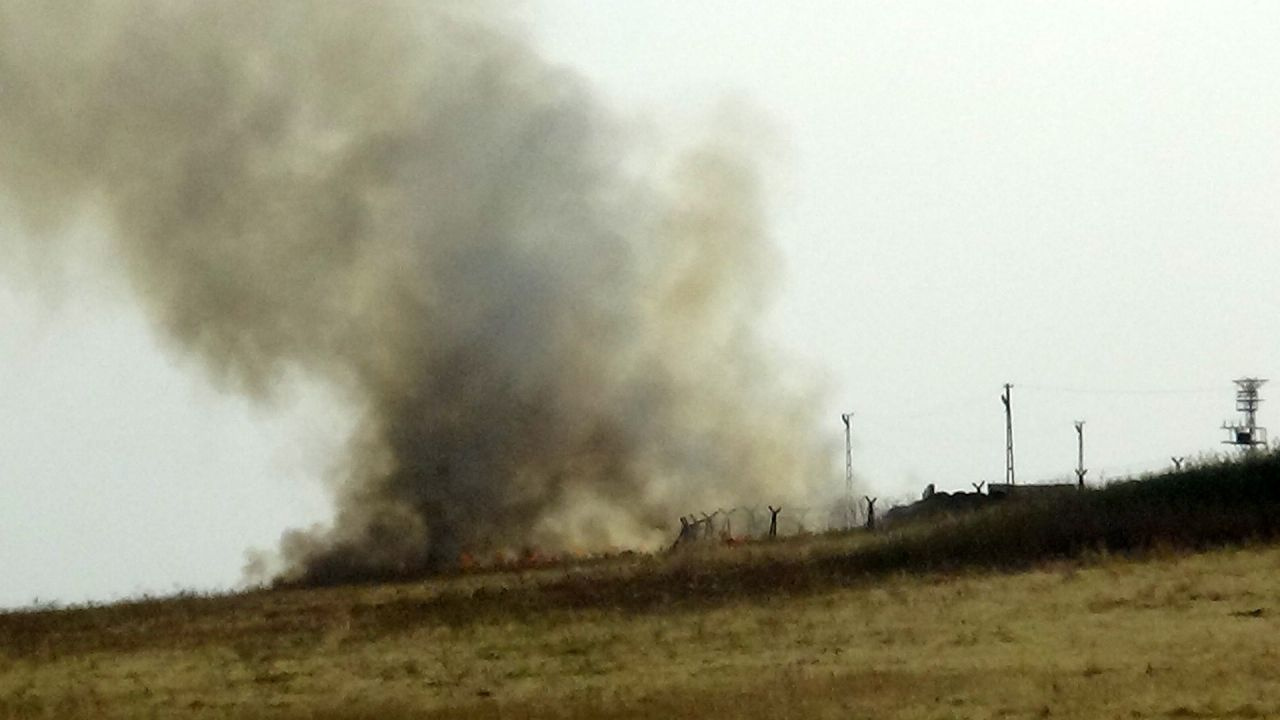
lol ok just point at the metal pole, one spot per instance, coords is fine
(848, 472)
(1007, 398)
(1080, 471)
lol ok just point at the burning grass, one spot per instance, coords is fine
(1209, 506)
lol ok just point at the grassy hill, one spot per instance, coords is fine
(1157, 598)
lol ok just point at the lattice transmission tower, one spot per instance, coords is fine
(1246, 432)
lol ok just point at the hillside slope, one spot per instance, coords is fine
(1148, 599)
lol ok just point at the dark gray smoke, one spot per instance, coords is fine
(550, 337)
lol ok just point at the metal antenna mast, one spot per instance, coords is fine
(1247, 433)
(848, 472)
(1006, 398)
(1080, 471)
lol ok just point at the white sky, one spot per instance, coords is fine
(1078, 198)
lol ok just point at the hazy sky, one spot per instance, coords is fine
(1078, 198)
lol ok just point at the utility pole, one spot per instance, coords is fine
(1080, 471)
(848, 472)
(1006, 398)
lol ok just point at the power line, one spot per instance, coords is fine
(1120, 391)
(971, 403)
(959, 405)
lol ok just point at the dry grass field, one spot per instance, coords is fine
(1158, 599)
(1178, 635)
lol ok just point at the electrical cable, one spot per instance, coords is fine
(1119, 391)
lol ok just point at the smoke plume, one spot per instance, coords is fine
(549, 336)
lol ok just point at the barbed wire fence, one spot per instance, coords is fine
(746, 523)
(760, 522)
